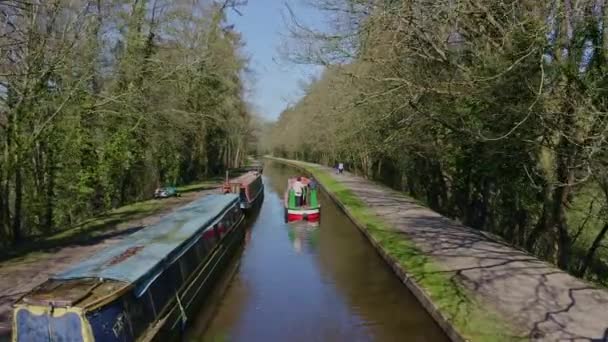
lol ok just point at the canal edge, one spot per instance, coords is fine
(423, 298)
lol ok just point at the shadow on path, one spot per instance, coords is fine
(539, 300)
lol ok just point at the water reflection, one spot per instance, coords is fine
(304, 236)
(301, 282)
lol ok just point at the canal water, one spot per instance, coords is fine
(300, 282)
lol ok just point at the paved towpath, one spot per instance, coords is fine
(544, 303)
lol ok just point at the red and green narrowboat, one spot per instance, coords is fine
(310, 209)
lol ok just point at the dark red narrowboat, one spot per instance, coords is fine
(249, 187)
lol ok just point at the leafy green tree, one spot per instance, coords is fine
(492, 112)
(102, 101)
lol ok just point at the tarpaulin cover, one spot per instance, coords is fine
(143, 254)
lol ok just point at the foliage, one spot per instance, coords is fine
(102, 101)
(492, 112)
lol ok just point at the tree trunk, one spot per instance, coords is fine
(483, 205)
(522, 223)
(16, 229)
(605, 31)
(591, 252)
(50, 191)
(4, 212)
(442, 189)
(95, 78)
(123, 189)
(542, 224)
(236, 156)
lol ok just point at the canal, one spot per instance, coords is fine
(298, 282)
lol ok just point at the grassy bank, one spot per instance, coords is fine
(103, 226)
(456, 304)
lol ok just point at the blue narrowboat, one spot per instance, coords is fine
(142, 288)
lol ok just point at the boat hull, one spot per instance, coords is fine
(311, 215)
(309, 210)
(159, 310)
(249, 187)
(247, 204)
(171, 326)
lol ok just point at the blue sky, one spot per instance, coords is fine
(275, 82)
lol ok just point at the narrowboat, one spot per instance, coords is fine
(143, 288)
(249, 187)
(309, 209)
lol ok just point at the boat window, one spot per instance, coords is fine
(228, 220)
(188, 262)
(165, 286)
(219, 229)
(140, 311)
(229, 223)
(201, 251)
(160, 292)
(210, 238)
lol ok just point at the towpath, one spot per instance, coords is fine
(542, 302)
(21, 274)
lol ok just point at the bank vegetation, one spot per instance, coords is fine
(102, 101)
(491, 112)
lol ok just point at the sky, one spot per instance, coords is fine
(276, 83)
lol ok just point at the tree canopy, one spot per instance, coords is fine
(492, 112)
(102, 101)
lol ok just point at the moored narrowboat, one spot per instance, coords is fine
(249, 187)
(144, 287)
(308, 207)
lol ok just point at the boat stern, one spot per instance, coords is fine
(311, 215)
(46, 323)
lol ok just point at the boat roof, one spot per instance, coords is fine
(140, 256)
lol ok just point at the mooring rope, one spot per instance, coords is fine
(181, 309)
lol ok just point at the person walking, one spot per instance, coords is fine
(340, 168)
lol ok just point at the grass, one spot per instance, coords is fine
(206, 185)
(469, 317)
(93, 230)
(579, 215)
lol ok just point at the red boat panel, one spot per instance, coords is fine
(300, 217)
(248, 184)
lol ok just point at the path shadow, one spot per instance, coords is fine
(203, 187)
(539, 300)
(88, 234)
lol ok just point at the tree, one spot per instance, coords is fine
(492, 112)
(104, 100)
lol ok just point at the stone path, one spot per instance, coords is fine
(543, 302)
(20, 275)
